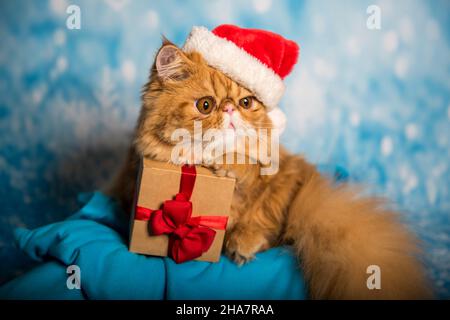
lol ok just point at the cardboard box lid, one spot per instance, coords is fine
(160, 181)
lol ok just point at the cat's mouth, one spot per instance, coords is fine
(231, 126)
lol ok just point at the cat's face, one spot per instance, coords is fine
(183, 89)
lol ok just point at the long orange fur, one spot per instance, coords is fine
(335, 232)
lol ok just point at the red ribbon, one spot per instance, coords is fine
(189, 237)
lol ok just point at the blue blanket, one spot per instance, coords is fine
(95, 239)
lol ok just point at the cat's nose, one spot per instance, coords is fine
(228, 107)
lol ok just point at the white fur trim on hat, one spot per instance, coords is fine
(236, 63)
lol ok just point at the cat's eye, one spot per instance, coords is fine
(205, 105)
(246, 102)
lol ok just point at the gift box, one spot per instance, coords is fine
(180, 212)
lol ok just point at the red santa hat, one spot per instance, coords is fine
(257, 59)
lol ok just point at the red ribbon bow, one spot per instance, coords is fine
(189, 237)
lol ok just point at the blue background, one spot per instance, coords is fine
(374, 101)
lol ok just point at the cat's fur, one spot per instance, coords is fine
(336, 233)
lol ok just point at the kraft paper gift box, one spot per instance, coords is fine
(169, 220)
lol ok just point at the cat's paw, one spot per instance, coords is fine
(182, 160)
(208, 160)
(223, 172)
(179, 161)
(241, 247)
(220, 170)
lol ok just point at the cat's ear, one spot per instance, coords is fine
(171, 63)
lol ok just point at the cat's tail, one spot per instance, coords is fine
(352, 247)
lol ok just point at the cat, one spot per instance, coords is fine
(336, 233)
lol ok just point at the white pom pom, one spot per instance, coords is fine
(278, 119)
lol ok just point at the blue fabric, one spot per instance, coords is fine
(95, 240)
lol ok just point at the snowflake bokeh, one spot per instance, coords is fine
(376, 102)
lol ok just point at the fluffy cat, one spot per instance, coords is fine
(336, 233)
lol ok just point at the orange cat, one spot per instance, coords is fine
(336, 233)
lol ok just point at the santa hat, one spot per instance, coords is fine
(257, 59)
